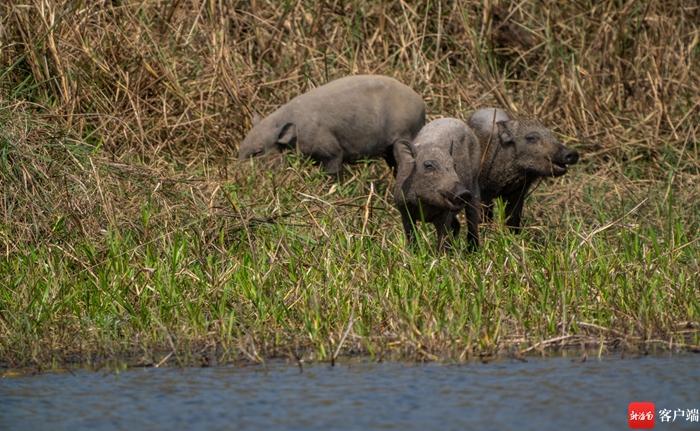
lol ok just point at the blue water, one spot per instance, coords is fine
(553, 393)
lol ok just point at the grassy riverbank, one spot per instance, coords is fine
(129, 230)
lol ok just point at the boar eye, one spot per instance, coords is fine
(532, 138)
(430, 165)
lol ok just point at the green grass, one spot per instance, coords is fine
(301, 266)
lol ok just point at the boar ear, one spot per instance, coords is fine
(405, 161)
(403, 152)
(255, 119)
(287, 135)
(505, 130)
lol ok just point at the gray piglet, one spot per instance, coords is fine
(515, 154)
(347, 119)
(438, 177)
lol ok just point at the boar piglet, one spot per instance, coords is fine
(437, 176)
(347, 119)
(515, 154)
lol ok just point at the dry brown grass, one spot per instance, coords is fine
(154, 83)
(176, 76)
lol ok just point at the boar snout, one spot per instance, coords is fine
(562, 160)
(247, 154)
(458, 196)
(570, 157)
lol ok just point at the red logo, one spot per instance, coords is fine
(640, 415)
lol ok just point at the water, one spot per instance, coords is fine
(555, 393)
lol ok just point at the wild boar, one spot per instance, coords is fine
(437, 176)
(515, 153)
(347, 119)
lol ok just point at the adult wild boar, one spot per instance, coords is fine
(515, 153)
(437, 177)
(347, 119)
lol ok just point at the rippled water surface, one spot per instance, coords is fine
(554, 393)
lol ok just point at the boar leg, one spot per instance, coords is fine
(471, 212)
(488, 212)
(325, 149)
(333, 166)
(514, 210)
(455, 226)
(408, 227)
(443, 226)
(390, 159)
